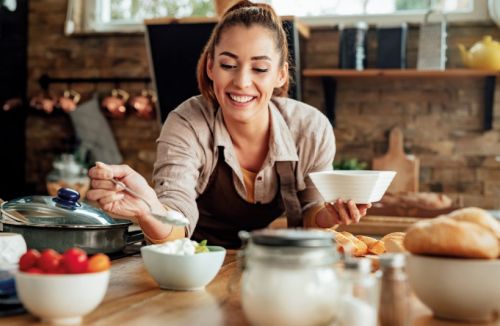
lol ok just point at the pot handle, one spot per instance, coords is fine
(134, 236)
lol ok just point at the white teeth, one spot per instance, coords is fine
(241, 99)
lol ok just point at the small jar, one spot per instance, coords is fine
(395, 291)
(289, 277)
(67, 173)
(360, 293)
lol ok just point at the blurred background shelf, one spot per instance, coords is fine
(329, 78)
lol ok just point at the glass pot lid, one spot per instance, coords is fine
(62, 211)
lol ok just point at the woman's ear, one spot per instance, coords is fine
(282, 75)
(210, 67)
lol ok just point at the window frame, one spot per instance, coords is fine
(83, 19)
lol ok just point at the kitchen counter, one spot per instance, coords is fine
(133, 298)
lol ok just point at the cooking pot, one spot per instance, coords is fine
(62, 222)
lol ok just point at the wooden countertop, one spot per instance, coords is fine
(133, 298)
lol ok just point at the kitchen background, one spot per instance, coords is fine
(441, 118)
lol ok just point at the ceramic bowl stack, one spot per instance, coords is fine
(362, 186)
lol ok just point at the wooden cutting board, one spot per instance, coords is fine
(406, 166)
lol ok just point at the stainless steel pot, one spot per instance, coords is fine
(62, 222)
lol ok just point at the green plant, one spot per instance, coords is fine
(349, 164)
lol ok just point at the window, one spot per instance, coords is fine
(127, 15)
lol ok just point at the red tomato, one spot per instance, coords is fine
(34, 270)
(75, 261)
(49, 261)
(98, 263)
(28, 260)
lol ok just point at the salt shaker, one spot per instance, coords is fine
(394, 299)
(360, 293)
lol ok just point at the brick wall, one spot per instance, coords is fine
(441, 119)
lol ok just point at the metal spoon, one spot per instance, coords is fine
(170, 217)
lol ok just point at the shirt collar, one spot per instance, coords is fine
(281, 142)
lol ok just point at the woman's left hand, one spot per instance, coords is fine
(341, 212)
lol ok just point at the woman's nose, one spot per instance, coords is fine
(242, 79)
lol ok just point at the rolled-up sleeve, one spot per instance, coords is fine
(317, 154)
(177, 167)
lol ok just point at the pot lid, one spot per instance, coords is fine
(62, 211)
(289, 238)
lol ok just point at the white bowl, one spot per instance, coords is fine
(362, 186)
(458, 289)
(183, 272)
(61, 299)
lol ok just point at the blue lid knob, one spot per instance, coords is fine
(67, 198)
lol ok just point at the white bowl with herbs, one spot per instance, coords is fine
(183, 264)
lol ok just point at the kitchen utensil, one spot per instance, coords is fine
(170, 217)
(62, 222)
(432, 43)
(362, 186)
(61, 299)
(482, 55)
(183, 272)
(144, 104)
(406, 166)
(457, 288)
(115, 103)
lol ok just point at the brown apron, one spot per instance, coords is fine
(223, 212)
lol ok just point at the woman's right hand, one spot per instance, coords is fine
(111, 196)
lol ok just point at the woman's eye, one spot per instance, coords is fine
(226, 66)
(261, 69)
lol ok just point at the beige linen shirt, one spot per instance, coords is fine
(187, 153)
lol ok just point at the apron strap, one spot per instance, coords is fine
(289, 193)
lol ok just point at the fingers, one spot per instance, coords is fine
(347, 212)
(332, 214)
(105, 184)
(353, 211)
(343, 213)
(105, 171)
(100, 194)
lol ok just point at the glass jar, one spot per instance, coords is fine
(289, 277)
(360, 293)
(67, 173)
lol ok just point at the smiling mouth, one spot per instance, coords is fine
(241, 99)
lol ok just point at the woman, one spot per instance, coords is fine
(236, 157)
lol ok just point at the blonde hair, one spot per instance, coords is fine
(244, 13)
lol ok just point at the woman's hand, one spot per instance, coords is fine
(113, 199)
(340, 212)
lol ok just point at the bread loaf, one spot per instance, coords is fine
(375, 247)
(477, 216)
(393, 242)
(446, 236)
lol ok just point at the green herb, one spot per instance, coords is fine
(202, 247)
(349, 164)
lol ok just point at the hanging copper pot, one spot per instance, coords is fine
(44, 102)
(12, 104)
(144, 104)
(114, 104)
(69, 100)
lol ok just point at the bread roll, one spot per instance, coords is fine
(445, 236)
(377, 248)
(360, 248)
(478, 216)
(346, 242)
(367, 240)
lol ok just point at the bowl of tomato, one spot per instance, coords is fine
(62, 288)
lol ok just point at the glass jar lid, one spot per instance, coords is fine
(289, 238)
(61, 211)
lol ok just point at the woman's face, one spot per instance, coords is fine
(245, 70)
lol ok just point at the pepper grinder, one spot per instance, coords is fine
(394, 299)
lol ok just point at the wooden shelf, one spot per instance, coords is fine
(329, 78)
(398, 73)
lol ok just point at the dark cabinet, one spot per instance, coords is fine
(174, 48)
(13, 76)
